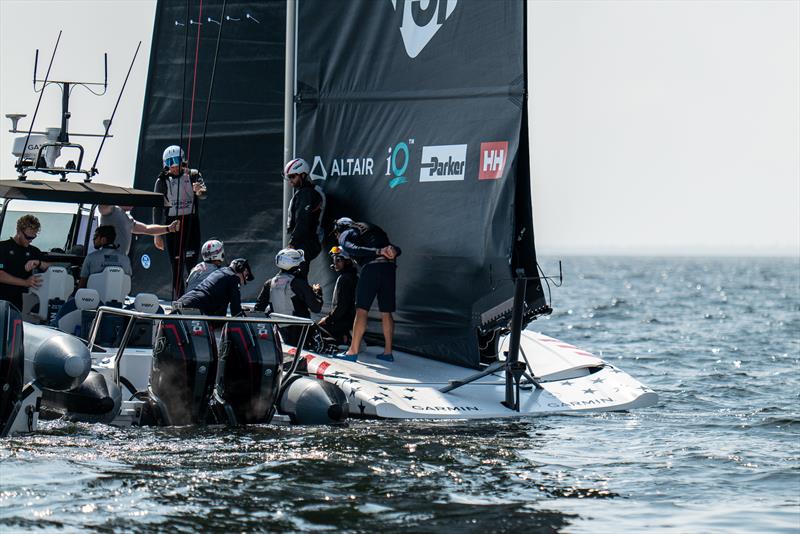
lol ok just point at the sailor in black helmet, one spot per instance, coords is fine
(369, 246)
(183, 187)
(305, 211)
(288, 292)
(220, 290)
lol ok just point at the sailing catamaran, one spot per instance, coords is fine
(414, 116)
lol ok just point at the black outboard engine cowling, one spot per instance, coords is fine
(12, 363)
(184, 361)
(249, 374)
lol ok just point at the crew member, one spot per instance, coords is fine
(220, 290)
(305, 211)
(18, 260)
(339, 321)
(125, 225)
(288, 292)
(106, 254)
(213, 252)
(369, 246)
(183, 187)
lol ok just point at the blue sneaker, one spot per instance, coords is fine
(344, 356)
(386, 357)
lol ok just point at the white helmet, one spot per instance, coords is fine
(289, 258)
(213, 250)
(296, 166)
(173, 155)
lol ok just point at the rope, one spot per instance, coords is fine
(179, 267)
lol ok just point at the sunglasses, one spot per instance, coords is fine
(175, 160)
(29, 237)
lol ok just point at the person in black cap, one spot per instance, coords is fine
(220, 290)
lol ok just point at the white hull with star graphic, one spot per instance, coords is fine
(565, 379)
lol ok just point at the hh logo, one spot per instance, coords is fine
(420, 20)
(493, 160)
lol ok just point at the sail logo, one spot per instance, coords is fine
(443, 163)
(397, 163)
(493, 160)
(419, 20)
(358, 166)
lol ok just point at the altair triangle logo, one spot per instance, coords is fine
(419, 21)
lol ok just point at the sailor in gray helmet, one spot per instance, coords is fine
(213, 253)
(288, 292)
(305, 211)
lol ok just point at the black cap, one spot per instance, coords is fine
(242, 266)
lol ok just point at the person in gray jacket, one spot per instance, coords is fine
(288, 293)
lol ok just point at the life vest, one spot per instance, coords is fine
(180, 194)
(280, 293)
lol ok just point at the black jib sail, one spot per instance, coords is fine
(414, 116)
(243, 150)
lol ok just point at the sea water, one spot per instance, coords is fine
(718, 339)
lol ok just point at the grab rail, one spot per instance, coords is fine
(274, 318)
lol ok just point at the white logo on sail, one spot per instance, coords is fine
(318, 171)
(420, 20)
(443, 163)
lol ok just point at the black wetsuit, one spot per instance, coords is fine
(213, 295)
(184, 207)
(343, 305)
(13, 258)
(305, 213)
(297, 294)
(362, 243)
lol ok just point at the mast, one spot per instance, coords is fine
(288, 104)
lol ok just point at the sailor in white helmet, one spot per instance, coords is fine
(288, 292)
(213, 253)
(183, 187)
(305, 211)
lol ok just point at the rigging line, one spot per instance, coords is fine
(211, 86)
(185, 62)
(41, 94)
(93, 170)
(179, 266)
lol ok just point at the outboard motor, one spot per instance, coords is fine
(313, 402)
(182, 375)
(12, 365)
(249, 374)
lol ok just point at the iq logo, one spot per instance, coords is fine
(397, 163)
(145, 261)
(493, 160)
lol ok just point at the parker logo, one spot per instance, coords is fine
(443, 163)
(493, 160)
(419, 20)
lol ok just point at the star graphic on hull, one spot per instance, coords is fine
(352, 393)
(588, 391)
(409, 397)
(598, 381)
(566, 383)
(411, 389)
(377, 398)
(361, 407)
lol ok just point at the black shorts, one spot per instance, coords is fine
(377, 279)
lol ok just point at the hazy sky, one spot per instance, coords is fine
(657, 127)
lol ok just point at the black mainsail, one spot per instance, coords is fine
(414, 115)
